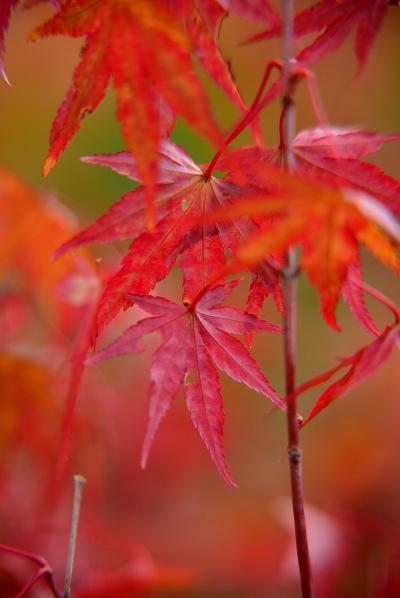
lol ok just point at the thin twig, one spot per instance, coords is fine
(290, 331)
(78, 487)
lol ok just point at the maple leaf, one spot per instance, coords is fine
(363, 362)
(330, 155)
(32, 227)
(161, 68)
(336, 20)
(183, 196)
(353, 294)
(196, 338)
(202, 20)
(360, 366)
(327, 223)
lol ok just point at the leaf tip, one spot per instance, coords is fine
(4, 74)
(144, 457)
(48, 165)
(232, 483)
(328, 312)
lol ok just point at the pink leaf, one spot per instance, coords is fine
(193, 340)
(361, 365)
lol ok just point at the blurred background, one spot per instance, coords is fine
(176, 529)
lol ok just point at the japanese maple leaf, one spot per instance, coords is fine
(183, 196)
(143, 48)
(195, 339)
(202, 21)
(327, 223)
(353, 294)
(330, 155)
(336, 19)
(359, 366)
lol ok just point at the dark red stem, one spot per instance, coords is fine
(287, 130)
(254, 109)
(44, 570)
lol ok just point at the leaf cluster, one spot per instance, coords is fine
(331, 203)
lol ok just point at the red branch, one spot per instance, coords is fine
(287, 128)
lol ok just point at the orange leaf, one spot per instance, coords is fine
(28, 408)
(328, 223)
(31, 229)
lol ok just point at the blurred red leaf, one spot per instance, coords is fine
(32, 227)
(28, 406)
(331, 156)
(335, 21)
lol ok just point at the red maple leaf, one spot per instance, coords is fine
(330, 155)
(336, 20)
(202, 20)
(327, 223)
(360, 366)
(183, 196)
(362, 363)
(196, 338)
(115, 31)
(352, 293)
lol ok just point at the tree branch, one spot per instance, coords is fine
(289, 325)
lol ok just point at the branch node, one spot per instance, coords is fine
(295, 454)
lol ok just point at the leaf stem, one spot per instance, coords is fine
(287, 131)
(44, 570)
(79, 481)
(253, 111)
